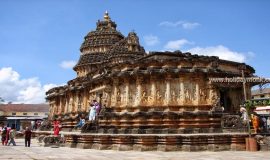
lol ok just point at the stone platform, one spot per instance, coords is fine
(156, 142)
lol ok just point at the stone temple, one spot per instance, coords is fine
(150, 101)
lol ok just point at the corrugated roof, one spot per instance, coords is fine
(24, 107)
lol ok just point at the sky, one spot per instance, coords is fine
(40, 40)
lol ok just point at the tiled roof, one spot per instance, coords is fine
(24, 107)
(258, 91)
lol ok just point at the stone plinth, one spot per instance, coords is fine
(161, 142)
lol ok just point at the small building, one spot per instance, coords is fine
(261, 100)
(261, 93)
(20, 115)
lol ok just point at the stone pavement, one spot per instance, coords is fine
(38, 152)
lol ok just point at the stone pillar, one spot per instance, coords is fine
(138, 91)
(213, 96)
(63, 104)
(107, 96)
(197, 92)
(84, 100)
(56, 105)
(60, 105)
(70, 103)
(67, 105)
(126, 92)
(182, 92)
(153, 90)
(114, 94)
(168, 91)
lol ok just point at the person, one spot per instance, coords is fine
(92, 113)
(12, 135)
(56, 127)
(4, 135)
(264, 124)
(97, 106)
(27, 137)
(81, 123)
(244, 115)
(7, 136)
(255, 123)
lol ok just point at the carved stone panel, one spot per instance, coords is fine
(175, 92)
(189, 93)
(160, 94)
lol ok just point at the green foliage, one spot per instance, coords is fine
(250, 106)
(254, 103)
(1, 100)
(265, 102)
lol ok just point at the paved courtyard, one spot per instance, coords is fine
(39, 152)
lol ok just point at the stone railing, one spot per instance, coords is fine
(232, 122)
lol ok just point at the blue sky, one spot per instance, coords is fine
(37, 36)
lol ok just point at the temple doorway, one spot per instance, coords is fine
(225, 100)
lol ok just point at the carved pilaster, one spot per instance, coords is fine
(126, 100)
(152, 97)
(67, 104)
(114, 94)
(197, 92)
(181, 92)
(138, 91)
(60, 104)
(213, 95)
(168, 91)
(63, 104)
(85, 100)
(76, 102)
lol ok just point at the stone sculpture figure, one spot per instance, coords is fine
(173, 98)
(144, 97)
(118, 96)
(159, 97)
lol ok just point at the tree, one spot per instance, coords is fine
(1, 100)
(249, 107)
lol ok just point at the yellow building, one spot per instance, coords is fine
(264, 93)
(20, 115)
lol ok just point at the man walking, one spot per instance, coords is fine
(12, 135)
(27, 137)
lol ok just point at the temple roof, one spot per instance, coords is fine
(105, 35)
(93, 58)
(128, 47)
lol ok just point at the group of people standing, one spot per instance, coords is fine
(94, 110)
(259, 123)
(8, 136)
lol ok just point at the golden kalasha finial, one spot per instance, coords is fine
(106, 16)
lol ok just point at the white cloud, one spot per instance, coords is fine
(189, 25)
(222, 52)
(177, 44)
(151, 40)
(16, 90)
(182, 24)
(67, 64)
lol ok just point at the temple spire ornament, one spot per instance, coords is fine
(106, 16)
